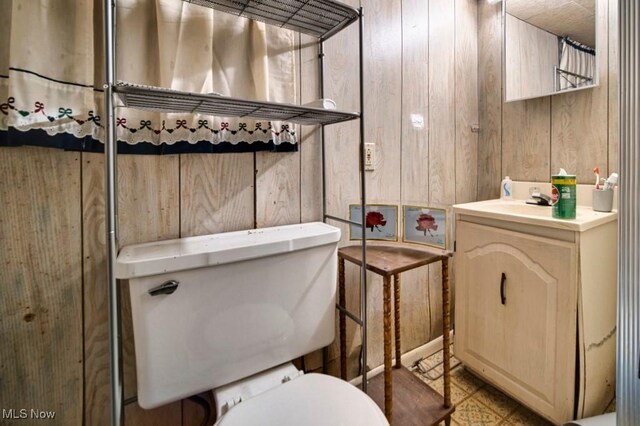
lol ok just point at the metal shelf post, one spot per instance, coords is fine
(362, 322)
(111, 213)
(363, 203)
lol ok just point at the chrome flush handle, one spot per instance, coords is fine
(165, 288)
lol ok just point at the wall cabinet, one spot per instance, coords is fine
(535, 313)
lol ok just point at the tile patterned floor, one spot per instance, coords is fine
(477, 402)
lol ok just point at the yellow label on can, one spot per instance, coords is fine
(563, 181)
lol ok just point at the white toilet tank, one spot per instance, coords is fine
(244, 302)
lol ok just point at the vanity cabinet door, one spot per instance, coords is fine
(516, 307)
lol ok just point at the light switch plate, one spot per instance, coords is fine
(369, 156)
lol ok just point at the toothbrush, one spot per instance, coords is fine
(596, 171)
(610, 183)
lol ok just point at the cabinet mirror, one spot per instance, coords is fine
(549, 47)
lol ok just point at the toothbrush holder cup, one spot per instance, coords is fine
(602, 200)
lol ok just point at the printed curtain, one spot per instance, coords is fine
(51, 68)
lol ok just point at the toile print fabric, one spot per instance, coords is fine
(51, 75)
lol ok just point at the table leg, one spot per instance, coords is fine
(342, 300)
(386, 314)
(396, 317)
(446, 325)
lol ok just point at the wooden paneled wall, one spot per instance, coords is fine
(530, 55)
(421, 100)
(529, 140)
(420, 82)
(41, 304)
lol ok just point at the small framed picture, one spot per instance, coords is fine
(381, 222)
(425, 225)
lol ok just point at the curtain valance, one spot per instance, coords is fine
(51, 68)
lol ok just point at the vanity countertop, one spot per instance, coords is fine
(519, 211)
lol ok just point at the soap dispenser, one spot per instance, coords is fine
(506, 189)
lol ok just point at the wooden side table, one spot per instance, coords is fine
(418, 404)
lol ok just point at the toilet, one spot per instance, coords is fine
(229, 312)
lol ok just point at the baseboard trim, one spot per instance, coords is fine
(407, 359)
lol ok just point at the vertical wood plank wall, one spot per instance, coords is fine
(420, 102)
(420, 60)
(529, 55)
(529, 140)
(41, 360)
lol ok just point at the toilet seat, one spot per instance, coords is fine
(310, 400)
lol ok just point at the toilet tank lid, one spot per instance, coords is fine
(181, 254)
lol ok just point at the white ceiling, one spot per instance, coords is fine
(573, 18)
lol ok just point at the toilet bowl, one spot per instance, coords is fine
(228, 311)
(310, 400)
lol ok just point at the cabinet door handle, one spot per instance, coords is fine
(503, 281)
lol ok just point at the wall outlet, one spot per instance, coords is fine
(369, 156)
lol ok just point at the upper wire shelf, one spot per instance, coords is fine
(319, 18)
(158, 99)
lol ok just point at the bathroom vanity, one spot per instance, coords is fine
(535, 304)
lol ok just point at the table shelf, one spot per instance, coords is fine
(415, 402)
(405, 399)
